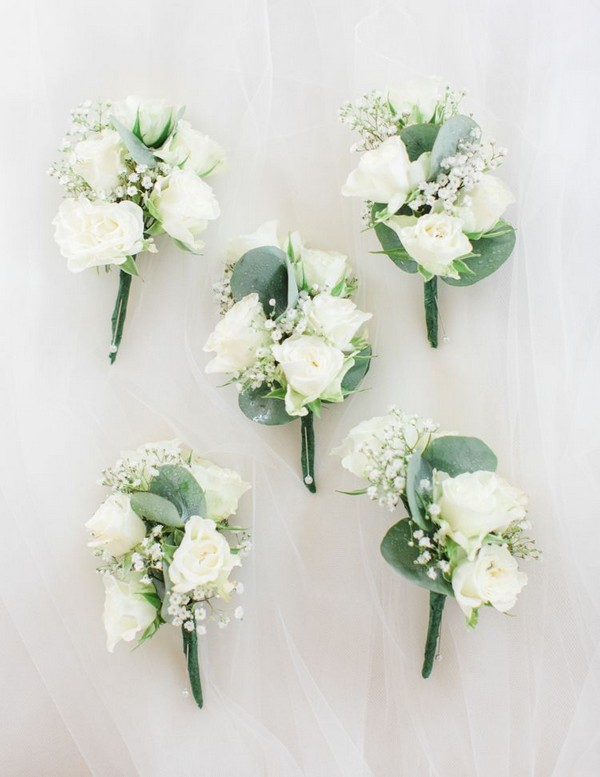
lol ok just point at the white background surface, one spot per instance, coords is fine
(322, 677)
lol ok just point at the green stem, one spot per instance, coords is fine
(436, 608)
(308, 452)
(431, 311)
(119, 313)
(190, 651)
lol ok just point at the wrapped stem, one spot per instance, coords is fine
(308, 452)
(430, 290)
(190, 651)
(119, 314)
(436, 608)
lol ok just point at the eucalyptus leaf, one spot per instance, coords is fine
(452, 132)
(356, 373)
(491, 252)
(391, 244)
(262, 409)
(156, 508)
(419, 138)
(418, 469)
(180, 487)
(140, 153)
(455, 455)
(266, 272)
(397, 552)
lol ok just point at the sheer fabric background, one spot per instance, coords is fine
(322, 676)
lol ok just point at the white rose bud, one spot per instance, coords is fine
(336, 319)
(325, 269)
(474, 504)
(203, 558)
(184, 203)
(313, 369)
(100, 160)
(368, 433)
(115, 526)
(153, 117)
(222, 488)
(416, 100)
(193, 150)
(265, 235)
(126, 613)
(385, 175)
(487, 200)
(91, 234)
(434, 241)
(493, 577)
(238, 336)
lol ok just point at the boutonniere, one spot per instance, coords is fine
(466, 525)
(167, 549)
(426, 174)
(290, 337)
(132, 170)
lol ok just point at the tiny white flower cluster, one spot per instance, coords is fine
(135, 469)
(194, 610)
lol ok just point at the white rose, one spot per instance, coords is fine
(115, 526)
(222, 488)
(325, 269)
(90, 234)
(154, 116)
(193, 150)
(100, 160)
(203, 558)
(312, 368)
(335, 318)
(367, 434)
(184, 203)
(238, 336)
(474, 504)
(493, 577)
(386, 175)
(434, 241)
(482, 206)
(416, 100)
(126, 613)
(265, 235)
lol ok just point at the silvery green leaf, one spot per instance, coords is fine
(452, 132)
(180, 487)
(155, 508)
(455, 455)
(419, 138)
(140, 153)
(492, 252)
(265, 271)
(263, 409)
(391, 244)
(356, 373)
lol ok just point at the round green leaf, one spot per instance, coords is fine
(419, 138)
(180, 487)
(156, 508)
(397, 552)
(455, 455)
(356, 373)
(390, 242)
(451, 133)
(493, 252)
(263, 410)
(263, 271)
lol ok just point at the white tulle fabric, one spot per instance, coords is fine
(322, 678)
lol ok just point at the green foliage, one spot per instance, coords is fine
(452, 132)
(180, 487)
(356, 373)
(267, 272)
(155, 508)
(418, 469)
(129, 266)
(391, 244)
(419, 138)
(492, 250)
(400, 555)
(455, 455)
(263, 409)
(139, 152)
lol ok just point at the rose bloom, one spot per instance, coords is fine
(323, 269)
(184, 203)
(193, 150)
(493, 577)
(386, 175)
(127, 614)
(416, 100)
(238, 336)
(337, 320)
(100, 160)
(115, 526)
(313, 370)
(203, 558)
(265, 235)
(91, 234)
(434, 241)
(152, 115)
(222, 488)
(480, 208)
